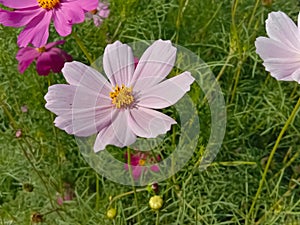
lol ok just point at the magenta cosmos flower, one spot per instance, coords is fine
(121, 108)
(139, 161)
(47, 58)
(36, 16)
(281, 51)
(99, 14)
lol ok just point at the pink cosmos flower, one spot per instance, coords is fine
(36, 16)
(99, 14)
(47, 58)
(138, 160)
(281, 51)
(121, 108)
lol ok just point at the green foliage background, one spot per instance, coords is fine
(222, 33)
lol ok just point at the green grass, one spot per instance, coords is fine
(222, 33)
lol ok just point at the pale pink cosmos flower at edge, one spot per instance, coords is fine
(281, 50)
(36, 15)
(85, 107)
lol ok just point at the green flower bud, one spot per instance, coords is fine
(156, 202)
(111, 213)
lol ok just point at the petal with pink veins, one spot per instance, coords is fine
(73, 12)
(118, 63)
(149, 123)
(19, 4)
(26, 56)
(79, 74)
(281, 28)
(36, 32)
(166, 93)
(154, 65)
(118, 133)
(18, 18)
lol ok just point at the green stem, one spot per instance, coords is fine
(157, 218)
(288, 122)
(82, 47)
(132, 181)
(125, 194)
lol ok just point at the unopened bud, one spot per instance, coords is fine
(156, 202)
(111, 213)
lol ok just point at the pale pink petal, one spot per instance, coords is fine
(149, 123)
(296, 75)
(281, 28)
(36, 32)
(118, 63)
(79, 74)
(18, 18)
(154, 65)
(80, 111)
(19, 4)
(166, 93)
(279, 59)
(118, 133)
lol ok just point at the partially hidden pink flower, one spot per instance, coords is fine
(281, 50)
(68, 194)
(139, 162)
(121, 108)
(99, 14)
(48, 58)
(36, 15)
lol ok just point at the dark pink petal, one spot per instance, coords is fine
(166, 93)
(19, 18)
(26, 56)
(79, 74)
(118, 63)
(137, 172)
(154, 168)
(44, 64)
(281, 28)
(19, 4)
(36, 32)
(62, 24)
(118, 133)
(88, 5)
(154, 65)
(149, 123)
(52, 44)
(73, 12)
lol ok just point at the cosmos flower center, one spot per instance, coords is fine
(142, 162)
(48, 4)
(41, 49)
(121, 96)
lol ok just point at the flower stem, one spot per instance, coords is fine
(288, 122)
(132, 181)
(82, 47)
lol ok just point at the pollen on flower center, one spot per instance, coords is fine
(48, 4)
(142, 162)
(41, 49)
(94, 11)
(121, 96)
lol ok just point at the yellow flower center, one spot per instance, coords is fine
(41, 49)
(142, 162)
(48, 4)
(121, 96)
